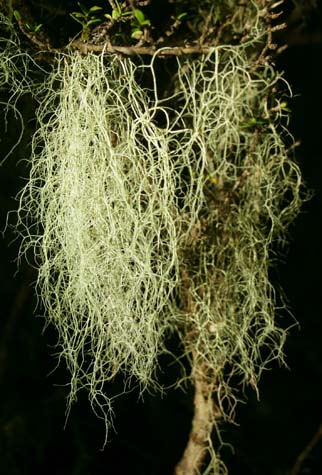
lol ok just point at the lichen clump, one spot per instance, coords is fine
(149, 216)
(140, 230)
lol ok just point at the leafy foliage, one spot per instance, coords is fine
(87, 18)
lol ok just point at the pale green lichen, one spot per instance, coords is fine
(139, 231)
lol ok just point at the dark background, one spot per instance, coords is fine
(150, 435)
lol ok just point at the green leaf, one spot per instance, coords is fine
(116, 14)
(139, 15)
(182, 15)
(95, 8)
(93, 20)
(37, 27)
(17, 15)
(77, 15)
(253, 122)
(284, 106)
(136, 34)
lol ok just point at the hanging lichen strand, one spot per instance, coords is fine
(250, 194)
(102, 198)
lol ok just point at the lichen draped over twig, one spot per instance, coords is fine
(150, 216)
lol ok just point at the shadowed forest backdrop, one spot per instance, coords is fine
(151, 435)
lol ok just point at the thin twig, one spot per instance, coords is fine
(306, 452)
(136, 50)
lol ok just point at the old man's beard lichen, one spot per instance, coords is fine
(140, 230)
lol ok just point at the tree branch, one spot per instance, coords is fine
(202, 425)
(133, 50)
